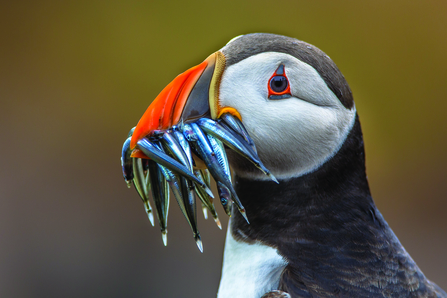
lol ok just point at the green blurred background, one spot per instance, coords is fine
(75, 76)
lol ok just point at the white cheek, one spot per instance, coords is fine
(293, 136)
(298, 136)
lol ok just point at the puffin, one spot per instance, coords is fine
(303, 222)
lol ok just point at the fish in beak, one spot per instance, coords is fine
(181, 140)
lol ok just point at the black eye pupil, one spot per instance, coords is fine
(279, 84)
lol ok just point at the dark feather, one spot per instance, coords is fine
(328, 228)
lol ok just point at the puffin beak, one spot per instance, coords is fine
(190, 96)
(181, 139)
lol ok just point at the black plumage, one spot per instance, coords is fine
(329, 230)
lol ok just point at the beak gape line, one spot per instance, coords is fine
(159, 161)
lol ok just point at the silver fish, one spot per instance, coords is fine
(207, 201)
(206, 176)
(171, 145)
(174, 182)
(188, 191)
(225, 197)
(183, 188)
(160, 193)
(154, 153)
(206, 152)
(232, 141)
(235, 124)
(184, 144)
(221, 155)
(142, 187)
(126, 162)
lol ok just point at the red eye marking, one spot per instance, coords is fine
(278, 85)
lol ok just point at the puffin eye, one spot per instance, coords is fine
(279, 84)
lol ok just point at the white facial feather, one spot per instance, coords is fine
(249, 270)
(294, 136)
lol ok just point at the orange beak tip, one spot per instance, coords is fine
(166, 109)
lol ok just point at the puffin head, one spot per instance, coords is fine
(293, 101)
(290, 96)
(281, 105)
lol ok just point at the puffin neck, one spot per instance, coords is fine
(328, 229)
(336, 192)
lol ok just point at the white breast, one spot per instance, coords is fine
(249, 270)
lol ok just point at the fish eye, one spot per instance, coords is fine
(279, 84)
